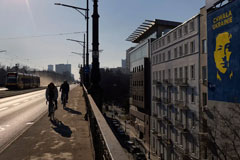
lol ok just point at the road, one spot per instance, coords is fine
(18, 113)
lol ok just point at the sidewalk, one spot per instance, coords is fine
(70, 140)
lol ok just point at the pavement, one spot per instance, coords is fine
(68, 138)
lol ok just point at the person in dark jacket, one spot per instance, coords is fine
(51, 95)
(64, 89)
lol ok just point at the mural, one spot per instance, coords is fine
(223, 53)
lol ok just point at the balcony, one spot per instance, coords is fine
(155, 114)
(157, 83)
(205, 82)
(166, 100)
(156, 99)
(179, 125)
(182, 82)
(168, 82)
(181, 104)
(167, 120)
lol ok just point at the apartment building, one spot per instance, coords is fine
(139, 66)
(175, 74)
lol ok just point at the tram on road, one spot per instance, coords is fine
(17, 80)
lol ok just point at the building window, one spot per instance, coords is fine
(192, 71)
(192, 25)
(175, 73)
(192, 96)
(159, 73)
(186, 72)
(169, 74)
(204, 99)
(168, 39)
(175, 52)
(180, 72)
(163, 74)
(163, 57)
(163, 41)
(175, 35)
(181, 94)
(192, 46)
(169, 55)
(157, 58)
(180, 51)
(204, 73)
(186, 49)
(204, 46)
(186, 29)
(180, 32)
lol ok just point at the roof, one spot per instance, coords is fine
(148, 26)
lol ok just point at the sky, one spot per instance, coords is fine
(34, 32)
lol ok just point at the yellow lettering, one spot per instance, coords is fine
(230, 20)
(230, 13)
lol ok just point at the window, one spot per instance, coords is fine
(186, 29)
(193, 119)
(181, 138)
(192, 25)
(192, 46)
(169, 74)
(204, 73)
(163, 41)
(180, 51)
(192, 71)
(159, 73)
(157, 56)
(204, 46)
(160, 57)
(159, 43)
(180, 32)
(176, 136)
(176, 91)
(175, 35)
(168, 39)
(163, 72)
(192, 96)
(180, 72)
(175, 73)
(186, 48)
(175, 52)
(181, 94)
(163, 57)
(186, 72)
(169, 55)
(204, 99)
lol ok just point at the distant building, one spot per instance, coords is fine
(123, 63)
(50, 67)
(62, 68)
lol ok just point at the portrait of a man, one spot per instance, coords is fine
(222, 56)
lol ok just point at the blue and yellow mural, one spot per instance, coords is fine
(223, 30)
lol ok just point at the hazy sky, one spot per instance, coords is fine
(32, 30)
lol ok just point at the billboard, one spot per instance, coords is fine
(223, 30)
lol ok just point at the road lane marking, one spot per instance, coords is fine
(1, 109)
(29, 123)
(16, 104)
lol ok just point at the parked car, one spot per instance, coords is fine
(134, 149)
(139, 156)
(128, 145)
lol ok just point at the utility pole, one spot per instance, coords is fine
(95, 88)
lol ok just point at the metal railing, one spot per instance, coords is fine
(106, 145)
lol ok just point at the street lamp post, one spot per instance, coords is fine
(95, 89)
(87, 50)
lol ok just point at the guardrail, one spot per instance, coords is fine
(105, 144)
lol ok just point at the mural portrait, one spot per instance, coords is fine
(223, 36)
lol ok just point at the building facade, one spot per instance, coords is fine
(50, 67)
(138, 62)
(175, 69)
(63, 68)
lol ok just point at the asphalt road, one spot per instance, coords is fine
(18, 113)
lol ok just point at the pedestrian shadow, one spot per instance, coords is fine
(61, 129)
(72, 111)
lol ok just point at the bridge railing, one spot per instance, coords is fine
(105, 143)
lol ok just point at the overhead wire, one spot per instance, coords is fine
(39, 36)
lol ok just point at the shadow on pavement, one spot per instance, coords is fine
(61, 129)
(72, 111)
